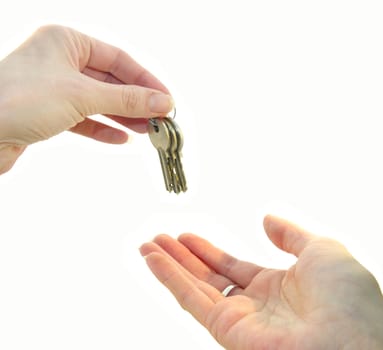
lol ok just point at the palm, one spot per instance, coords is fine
(271, 309)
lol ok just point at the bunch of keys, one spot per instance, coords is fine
(167, 138)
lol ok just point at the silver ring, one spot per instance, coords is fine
(174, 113)
(228, 289)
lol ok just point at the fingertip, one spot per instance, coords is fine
(186, 237)
(138, 125)
(150, 247)
(150, 255)
(160, 103)
(162, 238)
(152, 258)
(271, 223)
(112, 136)
(155, 261)
(266, 220)
(286, 235)
(144, 249)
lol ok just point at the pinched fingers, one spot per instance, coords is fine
(90, 96)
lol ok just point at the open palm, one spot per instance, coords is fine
(327, 300)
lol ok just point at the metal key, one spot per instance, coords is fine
(178, 154)
(161, 140)
(172, 153)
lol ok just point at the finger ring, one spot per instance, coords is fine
(228, 289)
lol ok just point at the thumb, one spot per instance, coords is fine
(123, 100)
(286, 236)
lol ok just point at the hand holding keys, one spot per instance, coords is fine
(167, 138)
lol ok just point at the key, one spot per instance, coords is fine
(178, 155)
(172, 156)
(161, 140)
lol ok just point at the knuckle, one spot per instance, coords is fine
(129, 99)
(184, 298)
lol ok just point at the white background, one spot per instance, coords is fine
(280, 104)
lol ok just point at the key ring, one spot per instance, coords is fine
(174, 113)
(153, 120)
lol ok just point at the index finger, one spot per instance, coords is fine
(108, 58)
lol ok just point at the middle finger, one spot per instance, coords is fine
(193, 264)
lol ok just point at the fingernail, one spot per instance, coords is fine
(160, 103)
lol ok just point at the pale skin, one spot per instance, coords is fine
(326, 300)
(60, 77)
